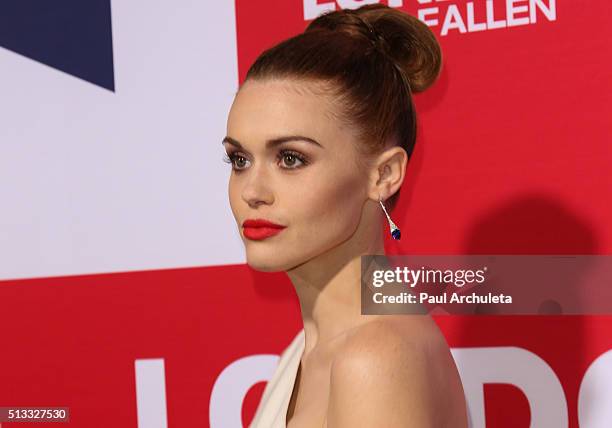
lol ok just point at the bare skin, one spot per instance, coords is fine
(356, 370)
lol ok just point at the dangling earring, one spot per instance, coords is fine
(395, 232)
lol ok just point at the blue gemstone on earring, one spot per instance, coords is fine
(396, 234)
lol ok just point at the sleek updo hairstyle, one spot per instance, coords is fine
(370, 60)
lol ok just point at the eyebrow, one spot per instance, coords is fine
(274, 141)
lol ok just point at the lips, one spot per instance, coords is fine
(258, 229)
(259, 222)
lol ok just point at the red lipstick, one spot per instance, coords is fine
(258, 229)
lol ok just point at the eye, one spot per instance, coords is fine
(291, 157)
(233, 158)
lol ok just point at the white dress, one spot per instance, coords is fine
(272, 409)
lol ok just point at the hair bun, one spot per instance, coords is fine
(408, 41)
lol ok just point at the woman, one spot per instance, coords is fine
(319, 135)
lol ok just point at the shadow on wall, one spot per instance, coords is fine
(532, 224)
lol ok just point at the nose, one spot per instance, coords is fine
(256, 189)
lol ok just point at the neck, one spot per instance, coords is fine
(329, 285)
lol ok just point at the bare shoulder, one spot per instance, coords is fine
(396, 371)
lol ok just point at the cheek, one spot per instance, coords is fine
(332, 206)
(233, 196)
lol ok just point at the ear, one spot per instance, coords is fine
(387, 173)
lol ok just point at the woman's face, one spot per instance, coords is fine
(317, 191)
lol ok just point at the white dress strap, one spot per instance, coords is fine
(272, 409)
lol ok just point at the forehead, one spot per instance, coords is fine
(267, 109)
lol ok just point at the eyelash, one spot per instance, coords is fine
(232, 156)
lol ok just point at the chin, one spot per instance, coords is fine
(265, 262)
